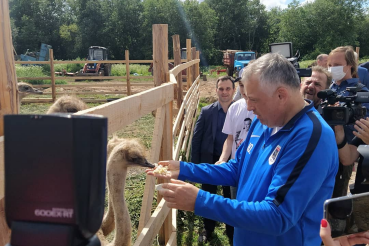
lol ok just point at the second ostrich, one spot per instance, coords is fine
(67, 104)
(122, 154)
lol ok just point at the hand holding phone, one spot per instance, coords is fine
(325, 234)
(347, 215)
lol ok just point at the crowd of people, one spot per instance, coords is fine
(275, 156)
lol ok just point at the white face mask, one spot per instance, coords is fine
(337, 72)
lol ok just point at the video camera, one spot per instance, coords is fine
(348, 112)
(55, 169)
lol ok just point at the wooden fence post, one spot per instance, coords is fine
(177, 61)
(128, 74)
(198, 64)
(193, 56)
(160, 53)
(358, 52)
(189, 56)
(8, 99)
(52, 74)
(161, 75)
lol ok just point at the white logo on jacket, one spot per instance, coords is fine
(249, 148)
(274, 155)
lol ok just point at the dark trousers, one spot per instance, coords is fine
(209, 225)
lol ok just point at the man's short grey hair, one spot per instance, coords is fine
(321, 56)
(273, 70)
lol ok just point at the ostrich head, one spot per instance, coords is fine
(25, 89)
(129, 152)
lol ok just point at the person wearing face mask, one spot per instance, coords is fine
(343, 67)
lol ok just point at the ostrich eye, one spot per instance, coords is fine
(134, 159)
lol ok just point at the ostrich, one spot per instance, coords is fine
(24, 89)
(67, 104)
(125, 153)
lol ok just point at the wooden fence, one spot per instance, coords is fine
(126, 79)
(168, 140)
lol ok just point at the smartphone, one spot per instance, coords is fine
(347, 214)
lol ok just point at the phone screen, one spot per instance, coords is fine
(348, 215)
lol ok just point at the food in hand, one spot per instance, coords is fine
(160, 169)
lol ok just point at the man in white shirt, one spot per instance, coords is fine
(236, 125)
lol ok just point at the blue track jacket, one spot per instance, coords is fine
(282, 180)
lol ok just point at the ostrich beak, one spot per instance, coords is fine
(148, 164)
(35, 91)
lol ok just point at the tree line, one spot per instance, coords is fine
(71, 26)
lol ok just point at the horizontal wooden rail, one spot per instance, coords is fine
(124, 111)
(93, 84)
(173, 73)
(152, 227)
(34, 78)
(87, 92)
(89, 61)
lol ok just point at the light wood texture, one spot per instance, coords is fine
(87, 85)
(126, 110)
(198, 64)
(358, 52)
(52, 73)
(193, 68)
(86, 93)
(128, 73)
(152, 227)
(177, 61)
(172, 240)
(179, 68)
(2, 177)
(154, 158)
(35, 78)
(8, 100)
(160, 53)
(189, 56)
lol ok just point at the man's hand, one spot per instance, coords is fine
(173, 170)
(179, 195)
(362, 127)
(219, 162)
(325, 234)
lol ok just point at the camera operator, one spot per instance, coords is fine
(342, 64)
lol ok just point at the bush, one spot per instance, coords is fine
(34, 71)
(70, 68)
(120, 70)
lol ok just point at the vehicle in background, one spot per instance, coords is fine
(286, 50)
(235, 60)
(96, 53)
(42, 55)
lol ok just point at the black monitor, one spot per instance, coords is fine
(55, 169)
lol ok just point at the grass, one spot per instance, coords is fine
(35, 71)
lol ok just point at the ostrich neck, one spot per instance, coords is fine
(117, 181)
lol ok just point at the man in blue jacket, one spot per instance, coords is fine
(284, 170)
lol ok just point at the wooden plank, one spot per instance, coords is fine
(189, 56)
(37, 100)
(154, 157)
(193, 68)
(33, 78)
(160, 53)
(8, 98)
(104, 61)
(167, 153)
(32, 62)
(181, 67)
(177, 61)
(126, 110)
(86, 93)
(94, 84)
(192, 128)
(172, 240)
(90, 77)
(198, 64)
(152, 227)
(52, 73)
(127, 73)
